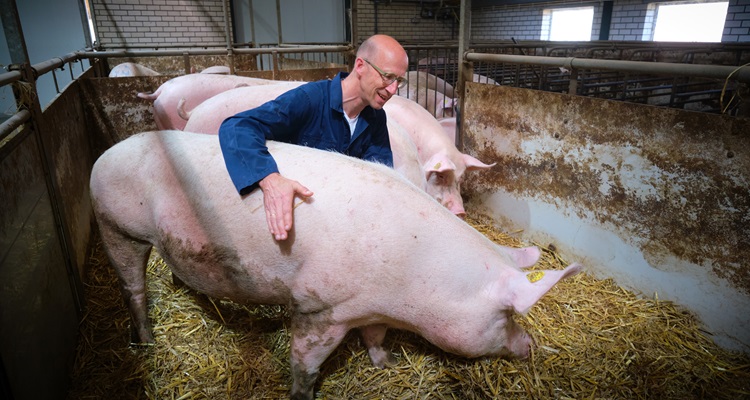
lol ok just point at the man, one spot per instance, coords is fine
(344, 114)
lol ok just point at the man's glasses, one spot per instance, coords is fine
(388, 78)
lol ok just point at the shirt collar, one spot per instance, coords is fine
(337, 97)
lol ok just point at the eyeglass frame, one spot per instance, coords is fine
(385, 76)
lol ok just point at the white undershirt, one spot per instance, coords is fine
(352, 123)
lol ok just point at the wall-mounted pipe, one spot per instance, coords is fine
(741, 74)
(209, 52)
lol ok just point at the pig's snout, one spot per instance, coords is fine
(456, 207)
(521, 347)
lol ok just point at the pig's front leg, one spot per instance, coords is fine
(313, 340)
(373, 336)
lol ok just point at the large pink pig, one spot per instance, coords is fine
(128, 69)
(192, 90)
(444, 165)
(207, 117)
(367, 251)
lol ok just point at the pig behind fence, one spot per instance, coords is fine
(368, 250)
(188, 91)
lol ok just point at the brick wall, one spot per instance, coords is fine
(175, 22)
(737, 25)
(520, 22)
(628, 20)
(403, 21)
(159, 22)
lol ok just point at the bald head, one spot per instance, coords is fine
(383, 49)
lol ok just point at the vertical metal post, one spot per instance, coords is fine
(353, 31)
(252, 25)
(85, 23)
(228, 34)
(465, 68)
(278, 20)
(275, 61)
(20, 56)
(573, 85)
(186, 60)
(606, 20)
(227, 26)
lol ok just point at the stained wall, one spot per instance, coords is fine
(657, 198)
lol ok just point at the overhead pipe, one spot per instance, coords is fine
(741, 74)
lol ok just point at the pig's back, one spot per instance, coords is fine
(208, 115)
(171, 188)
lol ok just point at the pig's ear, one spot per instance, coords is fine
(438, 163)
(472, 164)
(527, 288)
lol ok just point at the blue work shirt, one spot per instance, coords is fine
(311, 115)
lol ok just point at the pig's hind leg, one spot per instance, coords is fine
(373, 336)
(313, 340)
(129, 257)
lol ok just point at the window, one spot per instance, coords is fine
(685, 22)
(572, 24)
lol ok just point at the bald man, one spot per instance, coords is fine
(344, 114)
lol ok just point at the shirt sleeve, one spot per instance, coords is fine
(380, 146)
(243, 137)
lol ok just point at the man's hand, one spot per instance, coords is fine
(278, 199)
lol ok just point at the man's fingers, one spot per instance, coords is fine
(301, 190)
(279, 194)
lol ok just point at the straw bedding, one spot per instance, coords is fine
(595, 340)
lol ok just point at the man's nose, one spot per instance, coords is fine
(392, 88)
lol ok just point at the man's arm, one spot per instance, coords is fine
(243, 143)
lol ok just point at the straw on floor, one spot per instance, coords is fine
(594, 340)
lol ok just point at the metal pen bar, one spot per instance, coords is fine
(13, 122)
(741, 74)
